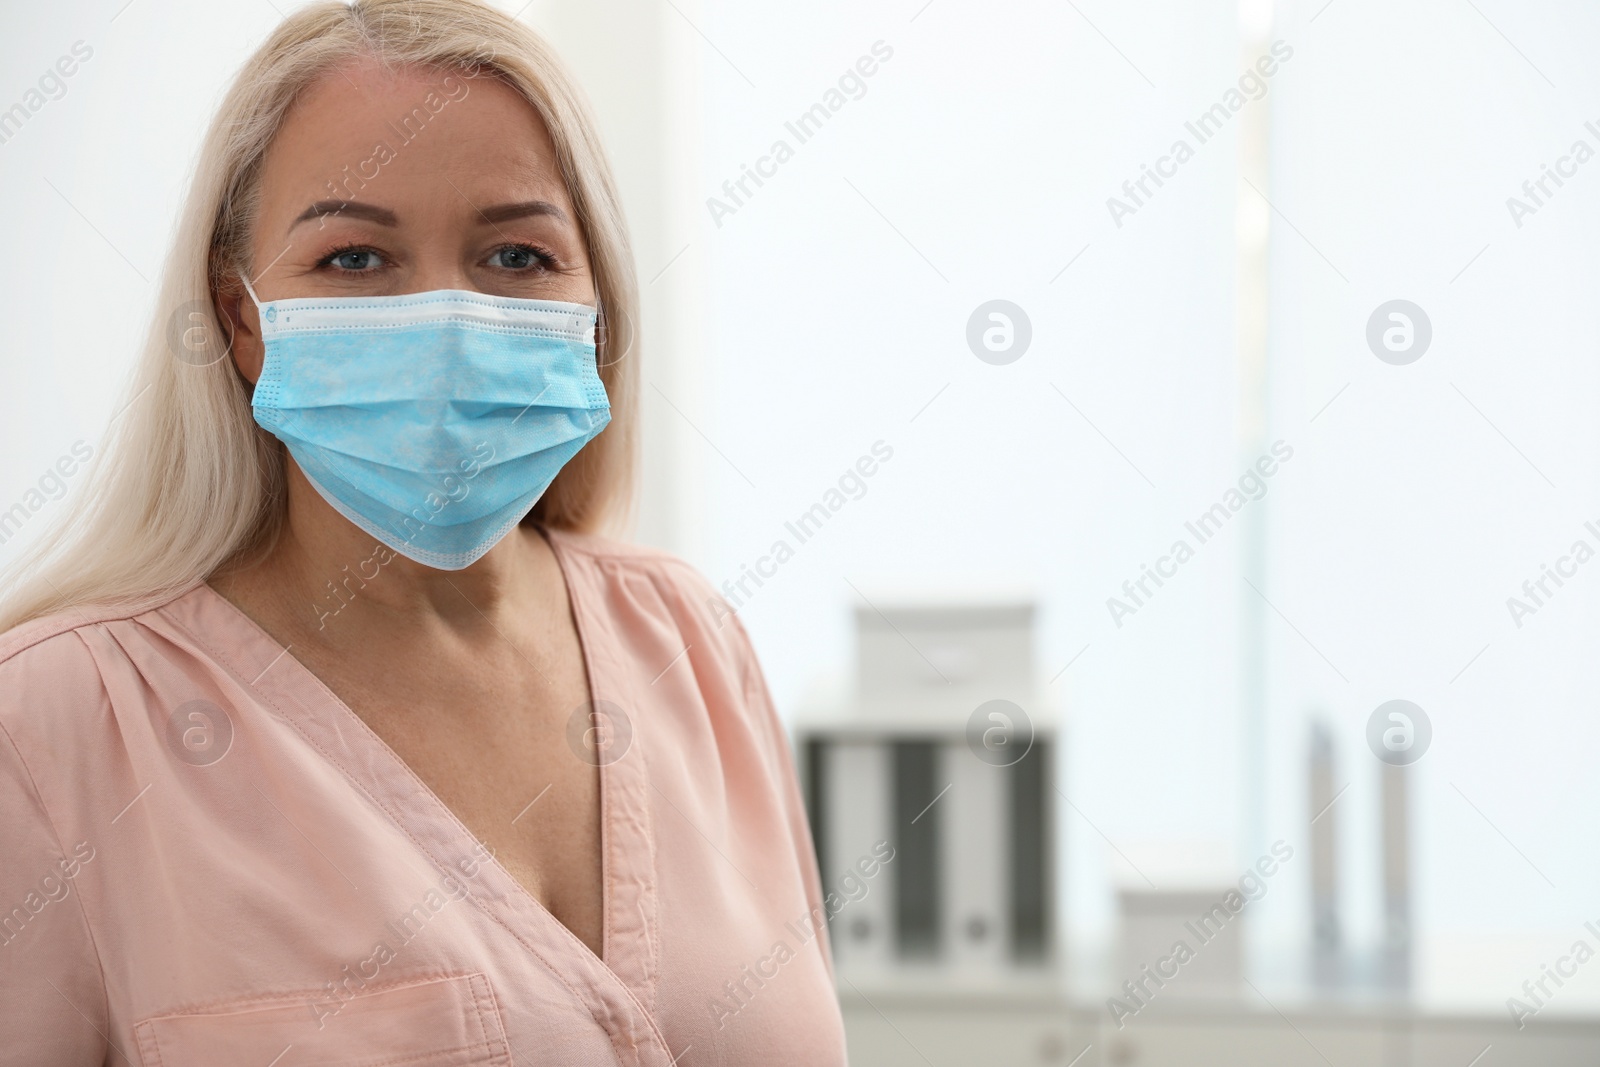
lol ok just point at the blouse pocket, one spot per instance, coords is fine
(441, 1022)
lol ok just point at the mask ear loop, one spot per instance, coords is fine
(600, 336)
(243, 277)
(250, 289)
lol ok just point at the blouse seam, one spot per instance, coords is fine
(608, 786)
(395, 1061)
(477, 1011)
(147, 1029)
(244, 1003)
(55, 833)
(652, 922)
(658, 577)
(477, 1003)
(66, 625)
(395, 819)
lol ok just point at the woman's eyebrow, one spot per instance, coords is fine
(508, 212)
(384, 217)
(322, 208)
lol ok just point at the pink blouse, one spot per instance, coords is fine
(207, 859)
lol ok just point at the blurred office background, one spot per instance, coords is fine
(797, 322)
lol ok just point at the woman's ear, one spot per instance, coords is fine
(237, 313)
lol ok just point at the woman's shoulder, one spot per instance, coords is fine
(54, 641)
(52, 694)
(679, 589)
(605, 546)
(632, 556)
(59, 633)
(48, 665)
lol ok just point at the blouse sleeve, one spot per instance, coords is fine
(758, 698)
(52, 994)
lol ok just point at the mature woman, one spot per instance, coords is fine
(331, 729)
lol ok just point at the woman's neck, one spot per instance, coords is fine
(327, 581)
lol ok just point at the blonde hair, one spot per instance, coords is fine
(187, 481)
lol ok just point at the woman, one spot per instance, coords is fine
(332, 731)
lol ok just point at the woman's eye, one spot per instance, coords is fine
(355, 259)
(515, 257)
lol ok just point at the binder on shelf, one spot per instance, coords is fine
(969, 895)
(857, 777)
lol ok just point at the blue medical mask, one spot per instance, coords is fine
(434, 421)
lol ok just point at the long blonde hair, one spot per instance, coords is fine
(186, 481)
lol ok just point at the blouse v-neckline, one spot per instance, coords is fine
(619, 986)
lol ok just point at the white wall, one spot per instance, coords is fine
(991, 141)
(1411, 516)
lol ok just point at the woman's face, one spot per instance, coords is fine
(385, 182)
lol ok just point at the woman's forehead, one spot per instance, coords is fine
(410, 134)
